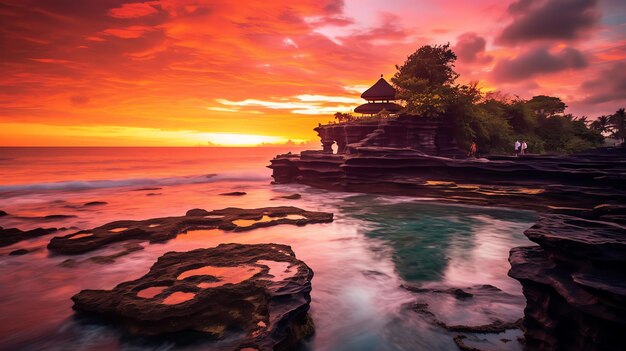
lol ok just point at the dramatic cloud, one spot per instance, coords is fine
(537, 61)
(269, 67)
(471, 48)
(136, 9)
(549, 20)
(610, 85)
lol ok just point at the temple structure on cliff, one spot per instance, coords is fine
(380, 97)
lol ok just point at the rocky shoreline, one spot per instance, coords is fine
(234, 296)
(163, 229)
(532, 182)
(573, 282)
(252, 297)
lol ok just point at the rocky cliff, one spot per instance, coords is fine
(574, 281)
(536, 182)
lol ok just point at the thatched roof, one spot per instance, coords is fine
(374, 107)
(380, 91)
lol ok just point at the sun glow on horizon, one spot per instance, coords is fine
(44, 135)
(263, 72)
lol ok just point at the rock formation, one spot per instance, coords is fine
(163, 229)
(10, 236)
(426, 135)
(246, 296)
(535, 182)
(485, 312)
(95, 203)
(575, 280)
(234, 193)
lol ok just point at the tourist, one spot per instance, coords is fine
(472, 152)
(518, 145)
(524, 146)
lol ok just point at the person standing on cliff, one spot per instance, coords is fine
(473, 148)
(524, 146)
(518, 145)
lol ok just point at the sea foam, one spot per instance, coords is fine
(74, 185)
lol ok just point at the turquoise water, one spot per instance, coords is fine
(424, 234)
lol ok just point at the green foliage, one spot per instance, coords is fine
(344, 117)
(602, 125)
(520, 117)
(544, 106)
(427, 84)
(426, 80)
(617, 121)
(566, 134)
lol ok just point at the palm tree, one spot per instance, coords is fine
(602, 124)
(618, 123)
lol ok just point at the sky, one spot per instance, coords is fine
(217, 72)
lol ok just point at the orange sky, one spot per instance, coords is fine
(190, 72)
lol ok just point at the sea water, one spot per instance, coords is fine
(360, 260)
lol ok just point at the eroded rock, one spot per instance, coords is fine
(58, 216)
(95, 203)
(10, 236)
(104, 259)
(574, 281)
(163, 229)
(481, 311)
(532, 182)
(257, 294)
(289, 197)
(234, 193)
(18, 252)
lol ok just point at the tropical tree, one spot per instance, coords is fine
(618, 123)
(426, 80)
(344, 117)
(602, 125)
(544, 106)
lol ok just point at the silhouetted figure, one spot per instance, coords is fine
(473, 149)
(518, 146)
(524, 146)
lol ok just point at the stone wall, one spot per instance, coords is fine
(421, 134)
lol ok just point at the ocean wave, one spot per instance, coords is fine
(74, 185)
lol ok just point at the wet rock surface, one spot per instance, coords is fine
(234, 193)
(533, 181)
(482, 314)
(162, 229)
(104, 259)
(575, 280)
(95, 203)
(242, 296)
(10, 236)
(289, 197)
(18, 252)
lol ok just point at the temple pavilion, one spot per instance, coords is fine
(379, 97)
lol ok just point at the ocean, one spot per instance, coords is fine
(375, 245)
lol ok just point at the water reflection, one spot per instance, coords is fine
(434, 242)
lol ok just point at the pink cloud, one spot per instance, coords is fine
(134, 10)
